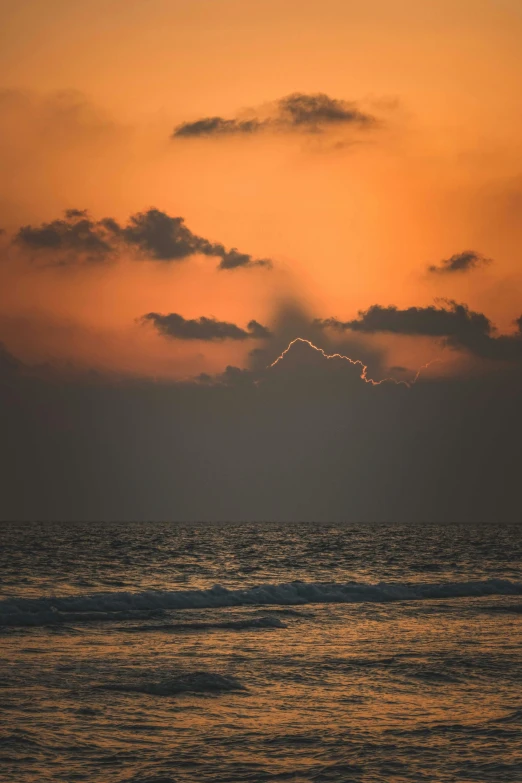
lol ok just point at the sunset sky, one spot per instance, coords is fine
(367, 154)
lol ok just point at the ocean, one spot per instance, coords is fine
(245, 653)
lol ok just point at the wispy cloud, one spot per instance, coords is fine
(460, 262)
(298, 111)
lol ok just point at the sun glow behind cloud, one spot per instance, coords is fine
(349, 219)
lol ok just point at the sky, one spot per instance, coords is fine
(261, 260)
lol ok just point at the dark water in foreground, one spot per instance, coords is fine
(156, 653)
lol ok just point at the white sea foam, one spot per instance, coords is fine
(126, 605)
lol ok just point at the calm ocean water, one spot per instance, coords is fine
(154, 653)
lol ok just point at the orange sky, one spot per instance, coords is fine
(89, 96)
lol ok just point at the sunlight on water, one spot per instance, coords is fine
(329, 679)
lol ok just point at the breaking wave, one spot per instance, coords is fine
(128, 606)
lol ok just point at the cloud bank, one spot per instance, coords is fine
(305, 439)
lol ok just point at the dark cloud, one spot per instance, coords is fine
(298, 111)
(158, 235)
(8, 362)
(460, 262)
(292, 319)
(506, 347)
(217, 126)
(231, 376)
(233, 259)
(458, 326)
(454, 320)
(176, 327)
(75, 234)
(71, 214)
(152, 234)
(305, 439)
(319, 109)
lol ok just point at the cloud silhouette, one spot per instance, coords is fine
(306, 439)
(176, 327)
(164, 238)
(452, 320)
(217, 126)
(457, 325)
(298, 111)
(152, 234)
(8, 362)
(460, 262)
(75, 234)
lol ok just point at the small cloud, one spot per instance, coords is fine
(216, 126)
(176, 327)
(298, 111)
(71, 214)
(460, 262)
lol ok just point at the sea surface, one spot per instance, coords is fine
(162, 653)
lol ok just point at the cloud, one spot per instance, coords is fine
(176, 327)
(8, 362)
(231, 376)
(152, 234)
(306, 439)
(298, 111)
(460, 262)
(71, 214)
(291, 319)
(456, 324)
(319, 109)
(217, 126)
(67, 238)
(455, 319)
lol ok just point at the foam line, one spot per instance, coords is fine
(125, 605)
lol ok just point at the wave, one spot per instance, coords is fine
(226, 625)
(512, 717)
(193, 682)
(126, 605)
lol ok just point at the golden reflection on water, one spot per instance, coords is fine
(364, 686)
